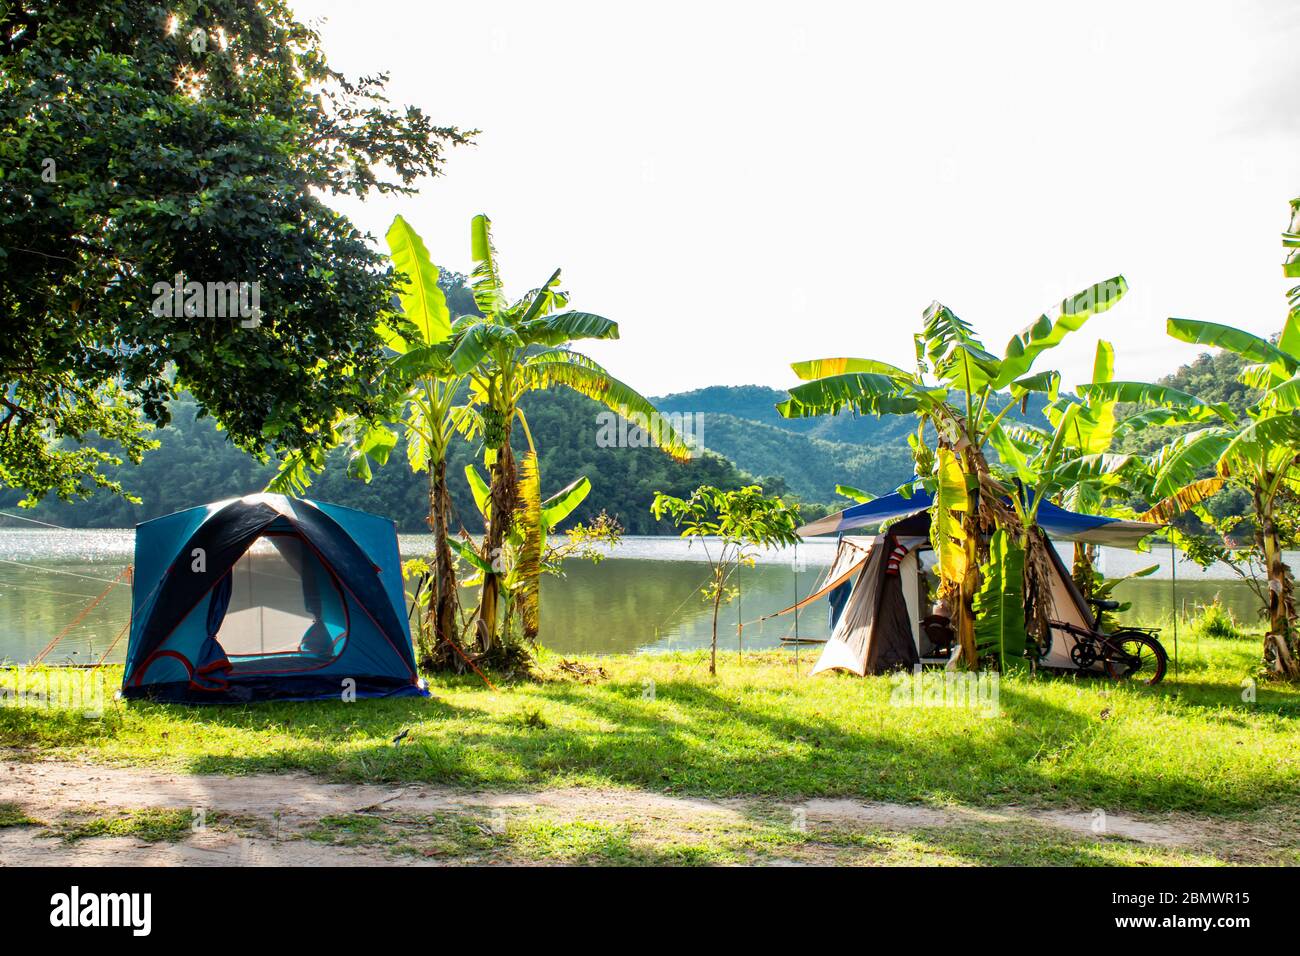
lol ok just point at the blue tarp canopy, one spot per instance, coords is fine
(1057, 522)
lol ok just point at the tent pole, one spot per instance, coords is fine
(740, 620)
(1173, 578)
(796, 609)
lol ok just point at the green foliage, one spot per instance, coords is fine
(1215, 620)
(742, 517)
(854, 494)
(133, 153)
(960, 392)
(951, 502)
(733, 522)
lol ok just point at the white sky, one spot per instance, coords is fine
(741, 185)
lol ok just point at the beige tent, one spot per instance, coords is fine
(877, 589)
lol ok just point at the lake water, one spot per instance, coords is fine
(644, 597)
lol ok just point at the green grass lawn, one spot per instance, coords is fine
(660, 722)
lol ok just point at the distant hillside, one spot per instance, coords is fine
(813, 455)
(758, 403)
(196, 464)
(811, 467)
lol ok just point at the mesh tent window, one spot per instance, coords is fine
(286, 608)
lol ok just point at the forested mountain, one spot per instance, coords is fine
(810, 466)
(194, 464)
(758, 403)
(813, 455)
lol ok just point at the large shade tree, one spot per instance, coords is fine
(961, 394)
(141, 143)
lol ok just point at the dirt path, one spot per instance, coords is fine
(297, 819)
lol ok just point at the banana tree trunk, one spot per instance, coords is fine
(973, 464)
(439, 628)
(503, 497)
(1038, 585)
(1082, 571)
(1281, 650)
(967, 587)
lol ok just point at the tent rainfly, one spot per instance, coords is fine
(877, 589)
(268, 597)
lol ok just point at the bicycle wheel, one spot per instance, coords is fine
(1130, 655)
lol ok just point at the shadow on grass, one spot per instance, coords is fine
(839, 738)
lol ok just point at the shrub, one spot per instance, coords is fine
(1215, 620)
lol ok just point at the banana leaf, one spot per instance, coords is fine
(469, 554)
(562, 504)
(476, 341)
(480, 490)
(854, 494)
(1146, 394)
(1268, 444)
(1051, 327)
(941, 328)
(999, 604)
(1243, 343)
(823, 368)
(485, 278)
(946, 533)
(1186, 498)
(544, 301)
(1181, 461)
(869, 393)
(566, 327)
(423, 301)
(587, 378)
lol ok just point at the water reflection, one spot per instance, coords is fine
(645, 599)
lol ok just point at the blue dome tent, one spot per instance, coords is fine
(268, 597)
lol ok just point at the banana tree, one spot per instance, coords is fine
(423, 403)
(514, 348)
(1261, 452)
(1072, 461)
(525, 552)
(960, 392)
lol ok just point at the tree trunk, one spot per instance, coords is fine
(503, 496)
(717, 603)
(1038, 585)
(967, 587)
(439, 628)
(1082, 571)
(1281, 652)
